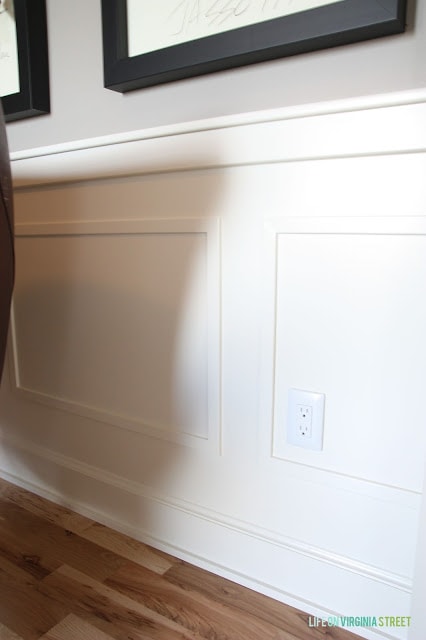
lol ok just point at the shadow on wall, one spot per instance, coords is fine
(112, 335)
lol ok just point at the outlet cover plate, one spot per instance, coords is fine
(305, 419)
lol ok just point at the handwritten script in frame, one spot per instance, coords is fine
(9, 69)
(153, 26)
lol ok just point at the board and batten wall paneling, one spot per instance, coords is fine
(172, 285)
(125, 299)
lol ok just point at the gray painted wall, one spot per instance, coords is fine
(82, 108)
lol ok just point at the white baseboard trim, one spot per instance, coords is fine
(181, 513)
(237, 526)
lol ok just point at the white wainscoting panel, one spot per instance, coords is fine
(118, 321)
(173, 284)
(343, 324)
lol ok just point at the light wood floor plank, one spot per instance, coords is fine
(54, 513)
(97, 603)
(12, 569)
(53, 544)
(192, 610)
(63, 577)
(129, 548)
(74, 628)
(26, 611)
(7, 634)
(219, 589)
(16, 551)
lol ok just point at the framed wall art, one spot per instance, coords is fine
(24, 67)
(147, 43)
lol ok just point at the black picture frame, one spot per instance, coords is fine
(327, 26)
(33, 98)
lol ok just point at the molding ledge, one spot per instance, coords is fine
(387, 124)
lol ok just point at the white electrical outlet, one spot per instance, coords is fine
(305, 419)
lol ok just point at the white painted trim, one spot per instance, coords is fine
(356, 128)
(367, 225)
(195, 559)
(273, 228)
(360, 103)
(208, 226)
(418, 612)
(239, 527)
(140, 226)
(381, 125)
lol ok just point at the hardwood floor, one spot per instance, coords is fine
(65, 577)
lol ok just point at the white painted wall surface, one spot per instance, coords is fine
(159, 318)
(418, 612)
(164, 306)
(82, 108)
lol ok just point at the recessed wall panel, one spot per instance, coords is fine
(350, 318)
(116, 324)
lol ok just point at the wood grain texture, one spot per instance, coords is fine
(48, 545)
(73, 628)
(97, 602)
(26, 611)
(129, 548)
(191, 609)
(289, 619)
(65, 577)
(54, 513)
(7, 634)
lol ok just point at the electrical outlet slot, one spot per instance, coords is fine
(304, 420)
